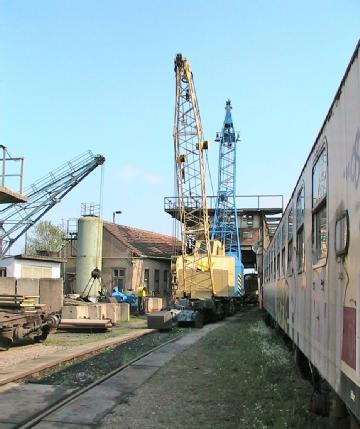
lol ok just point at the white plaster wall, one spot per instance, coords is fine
(9, 264)
(13, 267)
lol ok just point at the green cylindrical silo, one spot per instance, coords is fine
(89, 255)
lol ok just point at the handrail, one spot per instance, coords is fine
(193, 202)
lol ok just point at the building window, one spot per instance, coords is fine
(118, 278)
(246, 235)
(166, 280)
(3, 272)
(147, 279)
(319, 207)
(300, 233)
(290, 224)
(156, 282)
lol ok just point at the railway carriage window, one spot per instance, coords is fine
(274, 267)
(278, 245)
(290, 241)
(290, 224)
(283, 262)
(319, 205)
(300, 206)
(283, 241)
(300, 247)
(300, 250)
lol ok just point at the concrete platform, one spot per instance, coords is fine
(33, 399)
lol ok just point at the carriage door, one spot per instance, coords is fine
(320, 250)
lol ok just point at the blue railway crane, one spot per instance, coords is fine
(225, 224)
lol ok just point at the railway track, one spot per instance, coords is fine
(19, 407)
(72, 396)
(41, 364)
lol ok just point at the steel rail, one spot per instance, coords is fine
(35, 420)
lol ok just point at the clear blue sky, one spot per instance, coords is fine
(82, 74)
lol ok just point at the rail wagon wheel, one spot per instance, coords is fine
(198, 320)
(303, 364)
(44, 333)
(5, 344)
(231, 308)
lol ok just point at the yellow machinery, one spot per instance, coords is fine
(204, 276)
(197, 267)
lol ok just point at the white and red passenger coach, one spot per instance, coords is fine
(311, 277)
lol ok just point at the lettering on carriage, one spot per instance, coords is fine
(352, 170)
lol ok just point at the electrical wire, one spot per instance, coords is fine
(101, 195)
(347, 283)
(100, 226)
(209, 171)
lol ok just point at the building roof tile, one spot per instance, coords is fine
(144, 243)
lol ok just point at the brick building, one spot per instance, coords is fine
(130, 256)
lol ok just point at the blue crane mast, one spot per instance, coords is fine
(225, 224)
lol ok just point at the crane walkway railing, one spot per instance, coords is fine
(243, 202)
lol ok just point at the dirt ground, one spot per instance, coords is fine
(17, 355)
(240, 375)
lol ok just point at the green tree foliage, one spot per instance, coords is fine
(45, 236)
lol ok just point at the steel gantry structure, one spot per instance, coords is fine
(225, 224)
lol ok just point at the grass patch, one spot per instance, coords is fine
(240, 375)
